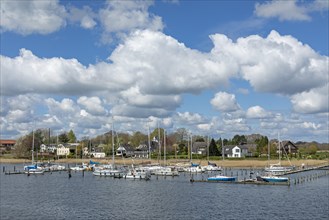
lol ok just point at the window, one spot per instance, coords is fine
(237, 150)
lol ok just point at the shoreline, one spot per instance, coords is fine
(246, 163)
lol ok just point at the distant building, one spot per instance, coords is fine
(125, 150)
(8, 144)
(200, 148)
(288, 147)
(142, 151)
(62, 150)
(48, 148)
(238, 151)
(99, 152)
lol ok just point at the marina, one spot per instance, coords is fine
(162, 197)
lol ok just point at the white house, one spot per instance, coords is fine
(50, 149)
(62, 151)
(237, 151)
(98, 154)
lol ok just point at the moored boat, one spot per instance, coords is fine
(273, 179)
(222, 178)
(166, 171)
(137, 173)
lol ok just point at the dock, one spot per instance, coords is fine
(322, 167)
(254, 182)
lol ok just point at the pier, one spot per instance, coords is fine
(255, 182)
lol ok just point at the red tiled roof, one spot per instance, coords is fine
(7, 142)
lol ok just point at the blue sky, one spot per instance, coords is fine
(216, 68)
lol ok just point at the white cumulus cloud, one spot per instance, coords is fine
(290, 10)
(33, 16)
(276, 64)
(225, 102)
(257, 112)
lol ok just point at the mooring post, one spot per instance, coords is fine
(14, 168)
(3, 169)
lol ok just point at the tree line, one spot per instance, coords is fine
(178, 142)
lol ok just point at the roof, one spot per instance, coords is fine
(198, 146)
(7, 142)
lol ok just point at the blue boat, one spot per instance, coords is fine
(222, 178)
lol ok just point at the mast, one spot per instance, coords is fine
(279, 144)
(164, 147)
(208, 148)
(32, 146)
(159, 143)
(223, 149)
(112, 144)
(149, 139)
(191, 146)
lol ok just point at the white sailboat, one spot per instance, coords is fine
(33, 168)
(277, 168)
(165, 170)
(137, 173)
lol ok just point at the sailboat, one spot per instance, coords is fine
(273, 179)
(166, 170)
(278, 168)
(195, 167)
(33, 168)
(110, 169)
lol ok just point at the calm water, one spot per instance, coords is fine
(55, 196)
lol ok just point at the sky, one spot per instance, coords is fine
(217, 68)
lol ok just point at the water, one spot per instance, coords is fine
(55, 196)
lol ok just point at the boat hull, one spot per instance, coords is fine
(222, 178)
(275, 179)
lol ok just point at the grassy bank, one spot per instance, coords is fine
(224, 163)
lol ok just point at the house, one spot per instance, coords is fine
(62, 150)
(238, 151)
(8, 144)
(289, 147)
(199, 148)
(48, 148)
(142, 151)
(98, 152)
(125, 150)
(72, 146)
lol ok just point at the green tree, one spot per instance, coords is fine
(237, 139)
(213, 150)
(71, 136)
(63, 138)
(262, 145)
(24, 145)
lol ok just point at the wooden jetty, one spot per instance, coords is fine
(254, 182)
(322, 167)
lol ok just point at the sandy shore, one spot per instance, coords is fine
(225, 163)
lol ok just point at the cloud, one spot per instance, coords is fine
(162, 65)
(257, 112)
(34, 16)
(290, 10)
(313, 101)
(275, 64)
(134, 97)
(225, 102)
(122, 17)
(189, 118)
(85, 16)
(92, 104)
